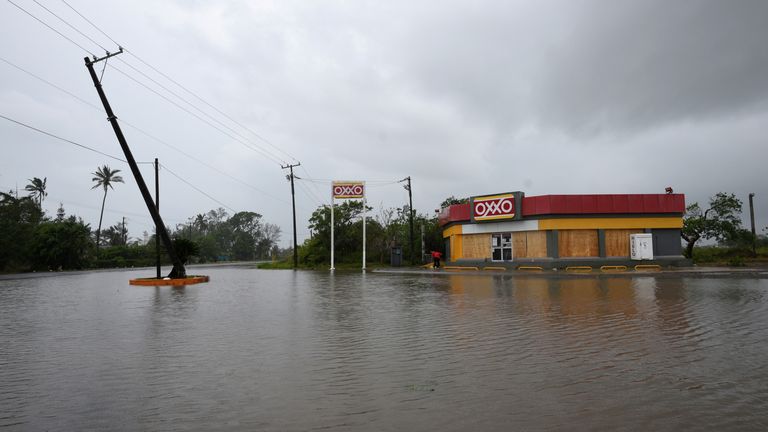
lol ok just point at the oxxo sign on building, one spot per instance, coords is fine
(493, 207)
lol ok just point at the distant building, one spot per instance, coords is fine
(511, 229)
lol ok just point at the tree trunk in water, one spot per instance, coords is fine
(98, 231)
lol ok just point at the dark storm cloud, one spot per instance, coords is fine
(588, 67)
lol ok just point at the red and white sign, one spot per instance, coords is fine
(345, 190)
(493, 207)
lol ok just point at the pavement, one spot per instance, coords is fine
(694, 271)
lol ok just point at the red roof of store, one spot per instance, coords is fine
(537, 206)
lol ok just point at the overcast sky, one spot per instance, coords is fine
(467, 98)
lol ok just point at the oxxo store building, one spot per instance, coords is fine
(511, 229)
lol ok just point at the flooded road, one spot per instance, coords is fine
(284, 351)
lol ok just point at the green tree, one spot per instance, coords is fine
(451, 200)
(36, 189)
(721, 221)
(61, 245)
(104, 177)
(18, 219)
(348, 245)
(185, 249)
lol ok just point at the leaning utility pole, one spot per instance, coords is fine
(410, 216)
(178, 267)
(293, 203)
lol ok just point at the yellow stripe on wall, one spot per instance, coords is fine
(454, 230)
(610, 223)
(457, 247)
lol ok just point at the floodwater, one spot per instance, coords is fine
(290, 351)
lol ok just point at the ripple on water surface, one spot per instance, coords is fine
(283, 350)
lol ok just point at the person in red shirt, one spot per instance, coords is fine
(436, 259)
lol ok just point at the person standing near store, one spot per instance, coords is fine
(436, 259)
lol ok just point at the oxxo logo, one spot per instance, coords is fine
(348, 190)
(497, 207)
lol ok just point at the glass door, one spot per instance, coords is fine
(501, 247)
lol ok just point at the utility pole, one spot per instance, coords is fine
(410, 217)
(178, 267)
(123, 235)
(157, 206)
(293, 204)
(752, 221)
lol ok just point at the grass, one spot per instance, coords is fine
(731, 257)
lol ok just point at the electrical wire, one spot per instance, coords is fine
(212, 118)
(198, 189)
(50, 27)
(252, 147)
(62, 139)
(145, 133)
(235, 138)
(179, 85)
(69, 25)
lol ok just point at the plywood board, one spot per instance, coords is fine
(578, 243)
(519, 245)
(617, 242)
(476, 246)
(537, 244)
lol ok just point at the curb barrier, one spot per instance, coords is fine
(647, 267)
(530, 268)
(579, 269)
(613, 268)
(495, 268)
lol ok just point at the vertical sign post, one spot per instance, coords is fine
(347, 190)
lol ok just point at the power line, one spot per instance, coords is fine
(53, 29)
(198, 189)
(70, 25)
(142, 131)
(89, 22)
(179, 85)
(62, 139)
(245, 144)
(219, 122)
(52, 85)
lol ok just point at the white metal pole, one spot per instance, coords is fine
(364, 210)
(332, 268)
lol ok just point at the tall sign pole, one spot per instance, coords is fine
(364, 211)
(157, 206)
(293, 204)
(332, 246)
(178, 267)
(347, 190)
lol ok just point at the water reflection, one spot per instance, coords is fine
(274, 350)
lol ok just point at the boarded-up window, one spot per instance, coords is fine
(477, 246)
(617, 242)
(577, 243)
(530, 244)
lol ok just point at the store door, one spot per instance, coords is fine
(501, 247)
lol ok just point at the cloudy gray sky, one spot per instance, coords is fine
(467, 98)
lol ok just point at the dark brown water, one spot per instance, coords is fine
(284, 351)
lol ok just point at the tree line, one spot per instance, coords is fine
(386, 230)
(31, 240)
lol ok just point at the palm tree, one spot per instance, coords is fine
(36, 189)
(104, 177)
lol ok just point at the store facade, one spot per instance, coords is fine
(559, 230)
